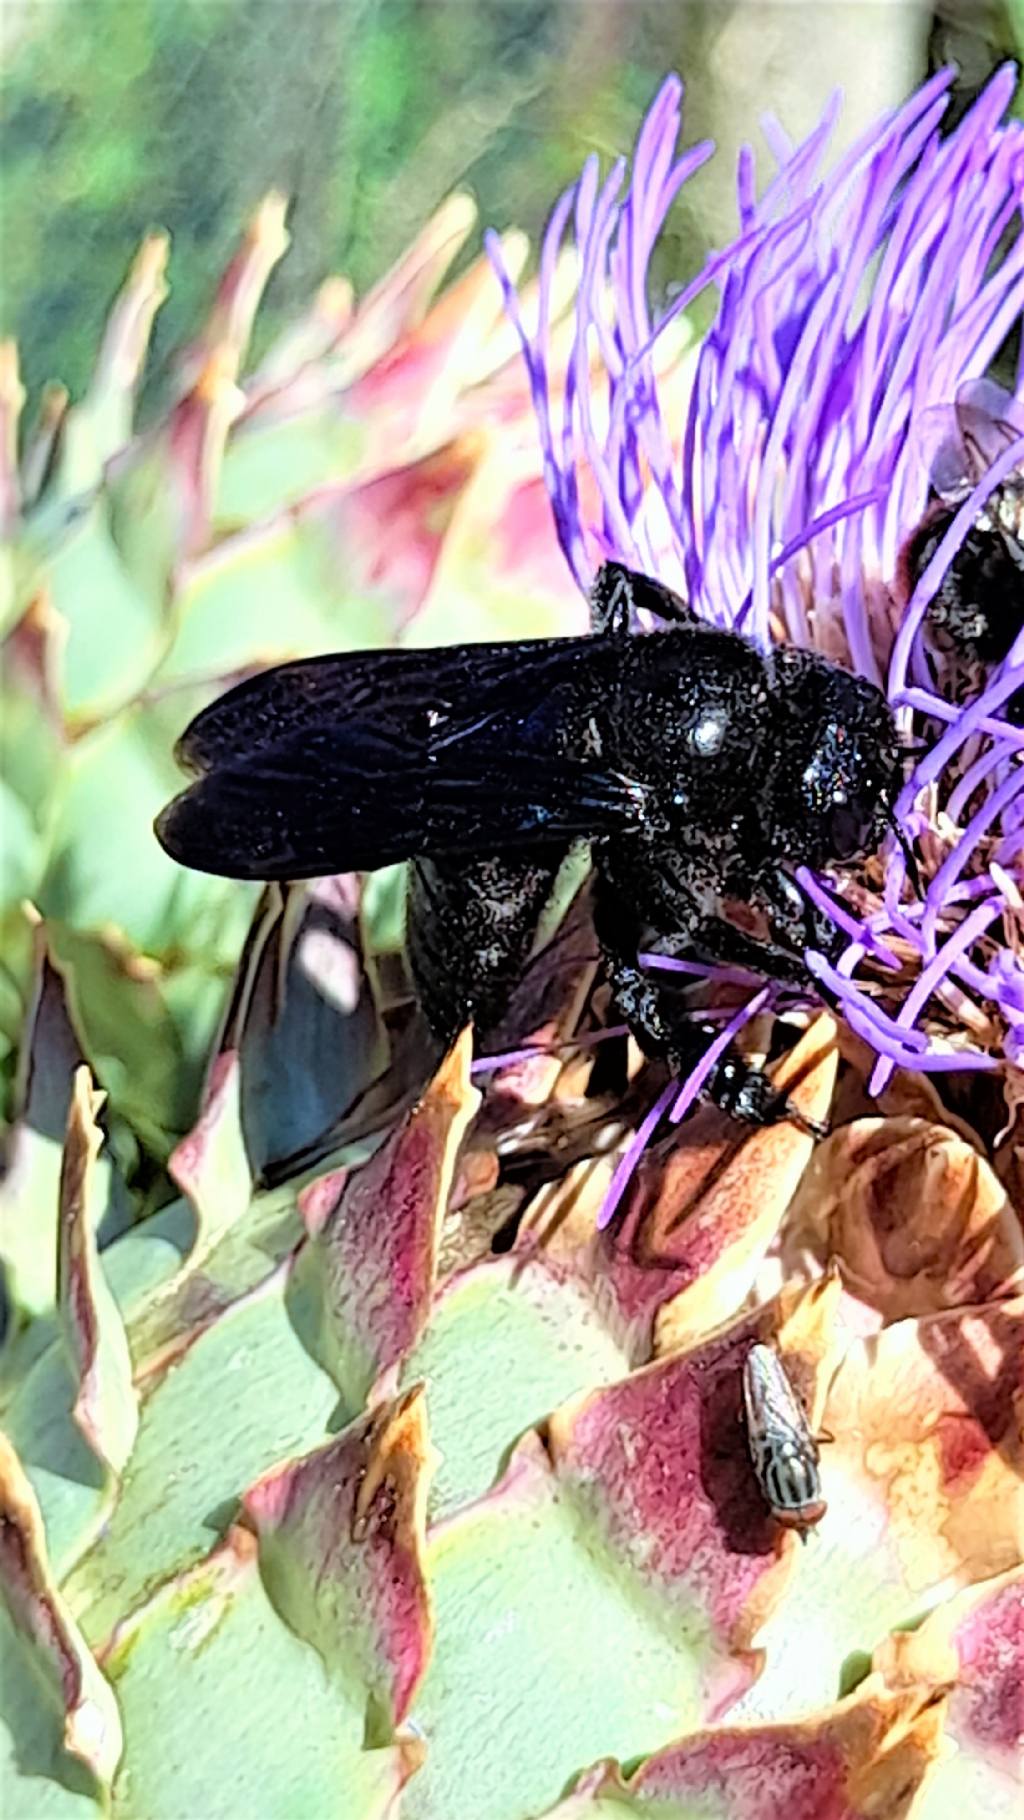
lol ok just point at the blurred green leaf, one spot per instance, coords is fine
(133, 1044)
(282, 593)
(21, 848)
(31, 755)
(271, 465)
(106, 865)
(383, 909)
(114, 632)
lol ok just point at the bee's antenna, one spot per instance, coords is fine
(905, 848)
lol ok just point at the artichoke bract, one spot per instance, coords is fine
(374, 1442)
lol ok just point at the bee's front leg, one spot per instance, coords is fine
(795, 923)
(744, 1092)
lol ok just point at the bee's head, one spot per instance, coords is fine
(840, 765)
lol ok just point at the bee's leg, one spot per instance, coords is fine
(637, 994)
(721, 940)
(794, 921)
(795, 925)
(618, 594)
(470, 925)
(611, 601)
(745, 1093)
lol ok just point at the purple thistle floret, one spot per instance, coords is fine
(854, 299)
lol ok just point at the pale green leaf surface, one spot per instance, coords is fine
(73, 1491)
(226, 1712)
(38, 1779)
(144, 1258)
(280, 594)
(504, 1346)
(241, 1260)
(542, 1661)
(139, 1262)
(58, 1717)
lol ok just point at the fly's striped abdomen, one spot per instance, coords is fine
(782, 1448)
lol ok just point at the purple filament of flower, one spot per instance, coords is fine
(675, 1101)
(720, 974)
(926, 702)
(857, 931)
(970, 930)
(509, 1058)
(852, 301)
(627, 1162)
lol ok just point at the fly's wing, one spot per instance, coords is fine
(352, 762)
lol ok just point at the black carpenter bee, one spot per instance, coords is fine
(978, 609)
(700, 770)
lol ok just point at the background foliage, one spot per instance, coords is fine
(124, 115)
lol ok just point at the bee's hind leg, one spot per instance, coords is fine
(745, 1093)
(470, 924)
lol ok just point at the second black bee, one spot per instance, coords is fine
(701, 771)
(977, 611)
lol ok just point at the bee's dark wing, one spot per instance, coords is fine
(351, 762)
(393, 695)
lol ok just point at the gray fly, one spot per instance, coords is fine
(783, 1450)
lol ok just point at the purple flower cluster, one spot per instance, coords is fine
(775, 472)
